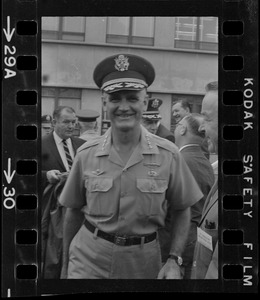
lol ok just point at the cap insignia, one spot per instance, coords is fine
(155, 103)
(48, 118)
(121, 63)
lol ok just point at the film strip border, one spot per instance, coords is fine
(238, 152)
(20, 135)
(238, 119)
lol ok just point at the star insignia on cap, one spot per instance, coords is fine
(122, 63)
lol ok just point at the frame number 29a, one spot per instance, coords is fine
(9, 52)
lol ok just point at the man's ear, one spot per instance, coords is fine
(183, 129)
(145, 103)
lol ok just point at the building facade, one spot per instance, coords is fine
(183, 51)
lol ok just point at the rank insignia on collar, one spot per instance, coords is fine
(122, 63)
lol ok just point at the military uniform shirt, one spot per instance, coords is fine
(89, 134)
(129, 199)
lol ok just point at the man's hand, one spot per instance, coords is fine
(53, 176)
(170, 270)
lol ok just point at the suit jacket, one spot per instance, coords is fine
(163, 132)
(205, 264)
(202, 171)
(52, 213)
(52, 230)
(51, 159)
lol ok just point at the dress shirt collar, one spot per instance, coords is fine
(58, 139)
(189, 145)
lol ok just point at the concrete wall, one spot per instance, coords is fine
(72, 65)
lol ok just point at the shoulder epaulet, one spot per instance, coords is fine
(165, 144)
(90, 143)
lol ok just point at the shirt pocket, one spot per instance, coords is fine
(151, 196)
(98, 194)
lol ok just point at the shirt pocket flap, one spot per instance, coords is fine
(152, 185)
(99, 184)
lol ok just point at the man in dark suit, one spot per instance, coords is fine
(188, 138)
(205, 263)
(151, 120)
(54, 159)
(180, 109)
(58, 151)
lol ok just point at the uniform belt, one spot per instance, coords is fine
(121, 240)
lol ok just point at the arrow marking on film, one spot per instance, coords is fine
(8, 175)
(7, 32)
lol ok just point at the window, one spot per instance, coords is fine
(54, 97)
(130, 30)
(196, 33)
(64, 28)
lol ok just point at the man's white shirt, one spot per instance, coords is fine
(60, 147)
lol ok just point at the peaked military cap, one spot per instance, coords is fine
(123, 72)
(152, 112)
(46, 118)
(87, 115)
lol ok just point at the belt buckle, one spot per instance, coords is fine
(120, 240)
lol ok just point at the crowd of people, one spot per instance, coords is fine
(139, 201)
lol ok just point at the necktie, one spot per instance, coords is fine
(67, 153)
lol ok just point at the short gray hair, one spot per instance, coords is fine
(212, 86)
(194, 121)
(57, 112)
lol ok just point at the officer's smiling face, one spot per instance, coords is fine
(125, 108)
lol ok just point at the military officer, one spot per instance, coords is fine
(46, 125)
(87, 120)
(121, 185)
(152, 120)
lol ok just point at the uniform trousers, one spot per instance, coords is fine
(92, 257)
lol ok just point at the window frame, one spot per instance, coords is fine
(130, 39)
(60, 32)
(196, 44)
